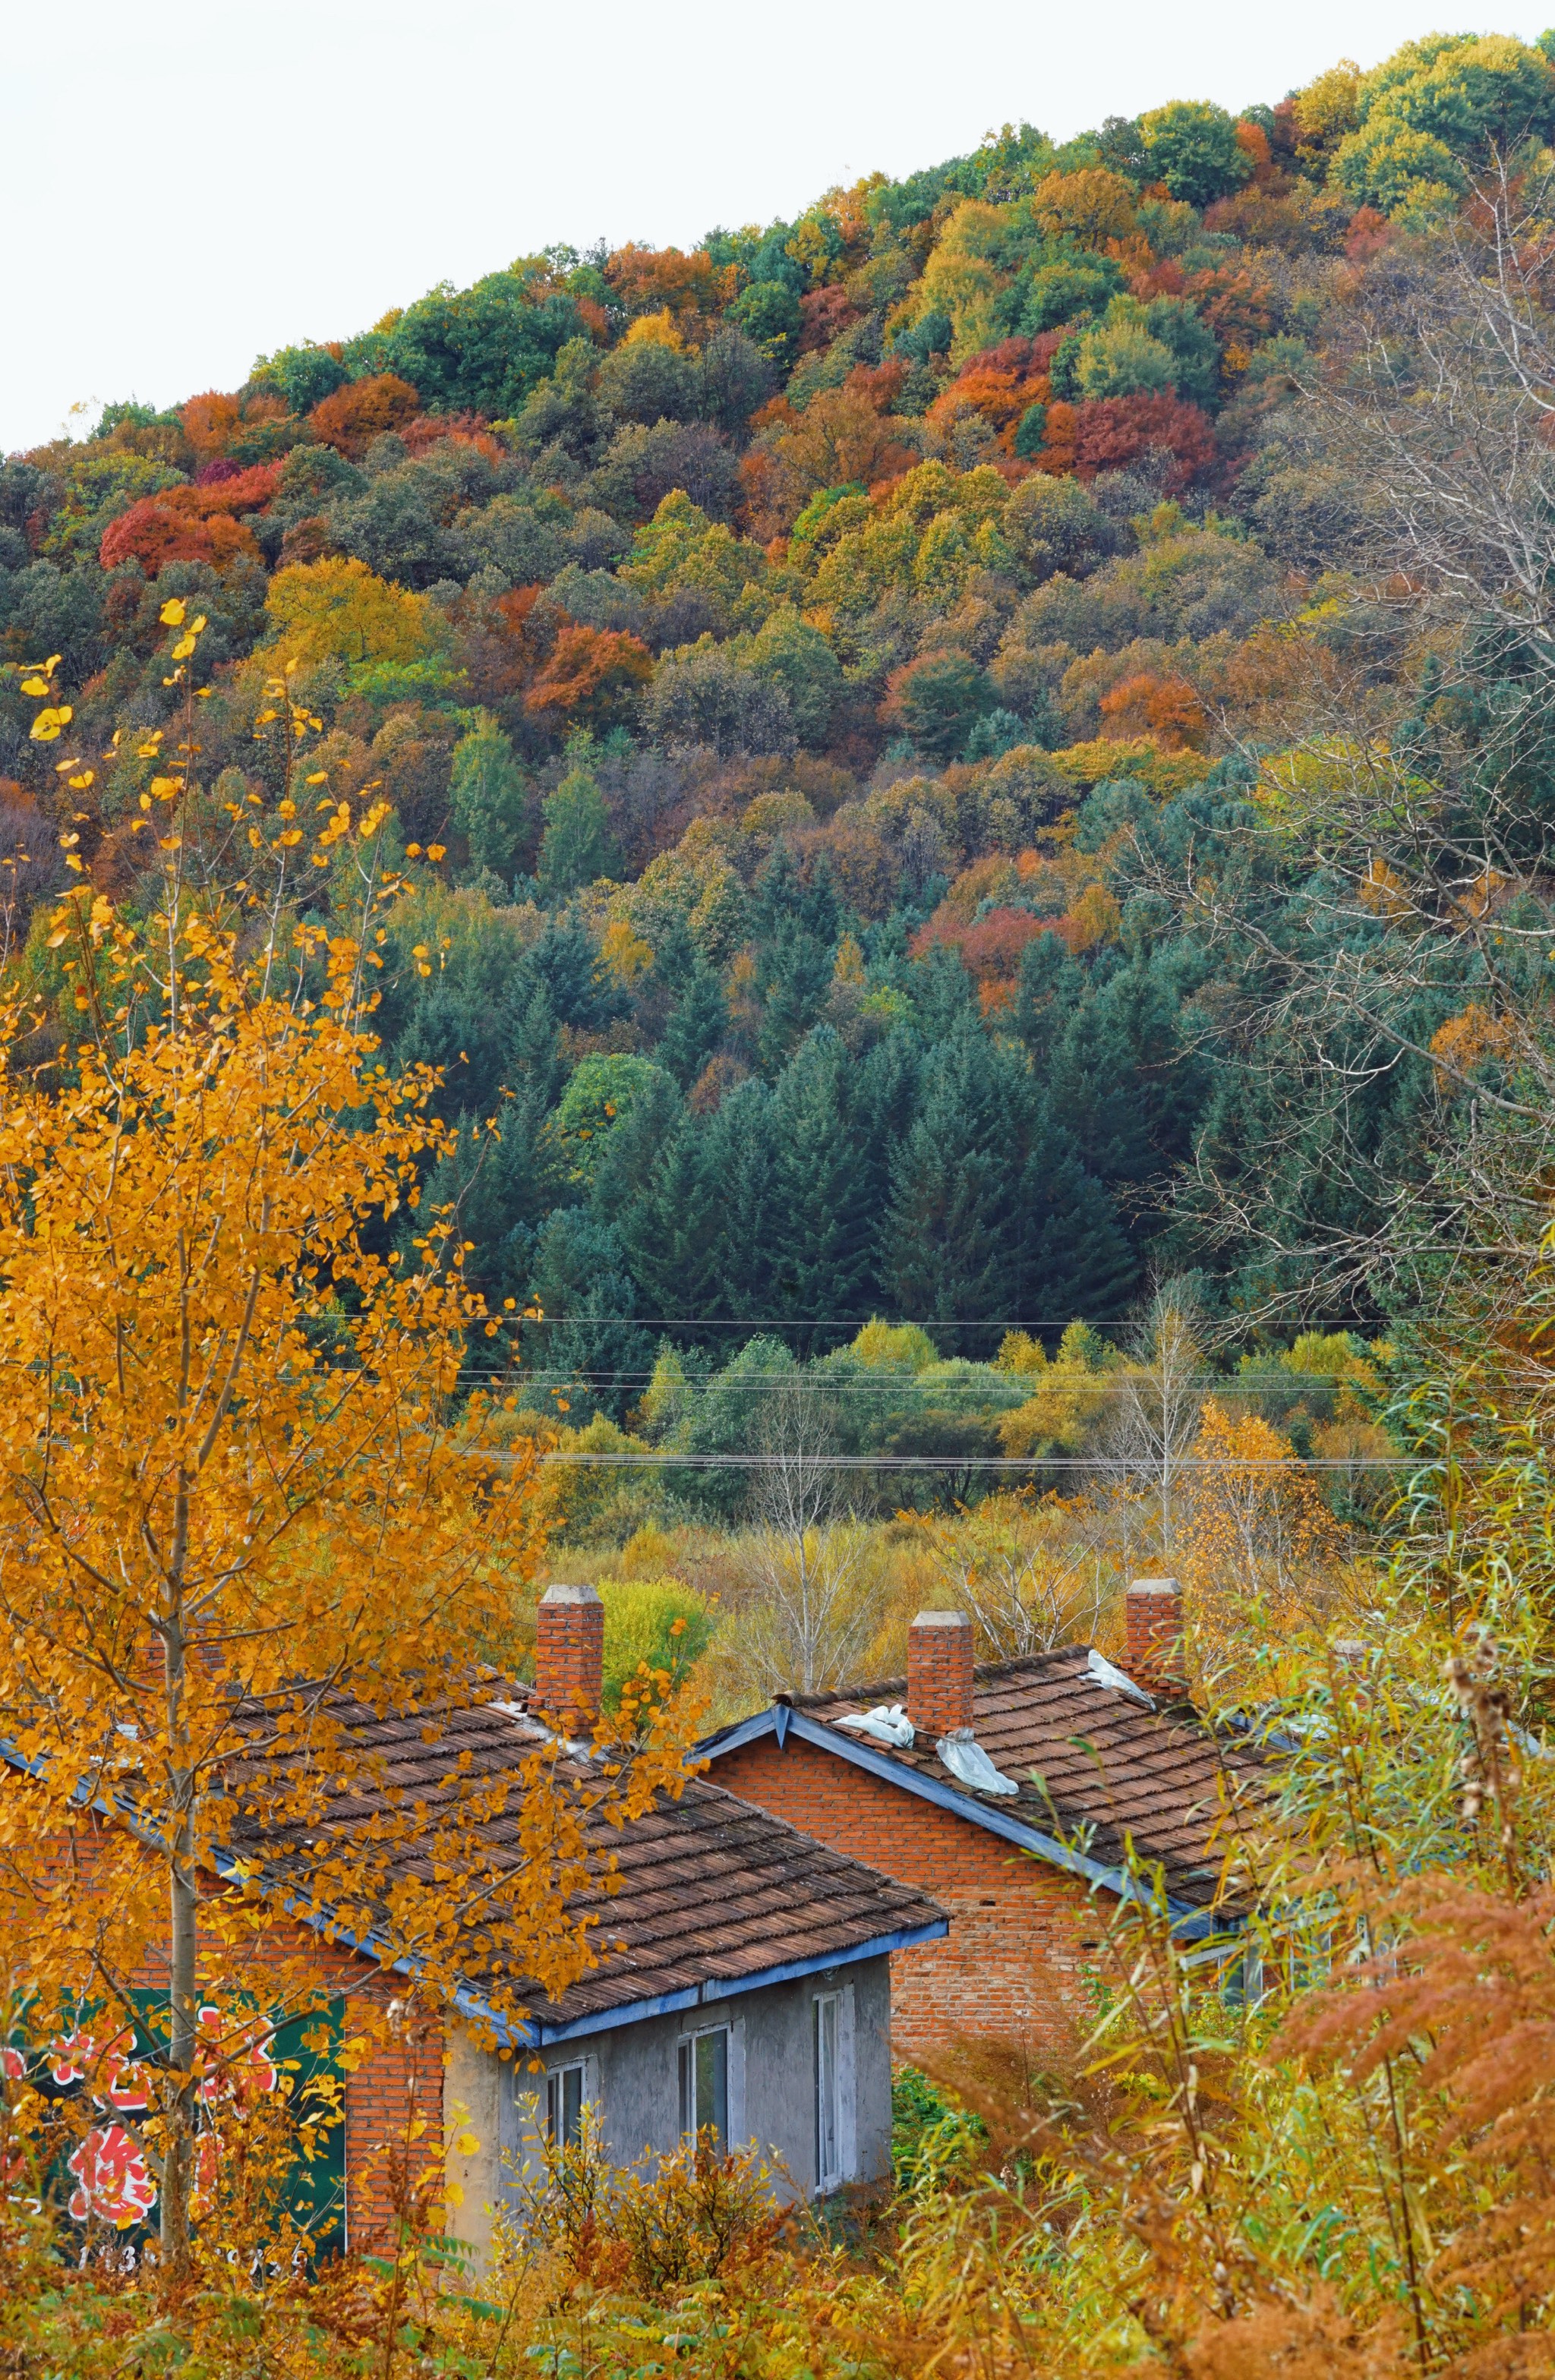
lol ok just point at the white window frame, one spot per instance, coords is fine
(686, 2083)
(826, 2023)
(555, 2113)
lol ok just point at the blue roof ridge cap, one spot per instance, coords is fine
(1189, 1917)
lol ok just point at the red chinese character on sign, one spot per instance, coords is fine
(70, 2057)
(121, 2080)
(112, 2179)
(244, 2071)
(116, 2079)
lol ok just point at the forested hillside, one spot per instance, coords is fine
(934, 760)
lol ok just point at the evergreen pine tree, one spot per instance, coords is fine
(697, 1025)
(452, 1028)
(776, 897)
(1051, 987)
(824, 1222)
(581, 991)
(884, 1089)
(1145, 1003)
(1074, 1257)
(820, 910)
(676, 958)
(669, 1225)
(951, 1235)
(740, 1155)
(533, 1065)
(625, 1167)
(799, 982)
(943, 993)
(591, 1357)
(1092, 1084)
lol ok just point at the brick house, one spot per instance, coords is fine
(1027, 1797)
(741, 1977)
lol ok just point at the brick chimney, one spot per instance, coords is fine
(1154, 1657)
(569, 1653)
(940, 1673)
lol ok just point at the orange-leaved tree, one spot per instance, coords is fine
(243, 1515)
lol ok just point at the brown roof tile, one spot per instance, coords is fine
(1096, 1768)
(709, 1888)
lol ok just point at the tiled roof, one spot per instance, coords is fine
(710, 1890)
(1095, 1767)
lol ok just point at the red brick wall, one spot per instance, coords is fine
(1015, 1958)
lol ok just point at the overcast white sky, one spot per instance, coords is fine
(184, 188)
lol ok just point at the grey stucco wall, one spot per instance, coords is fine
(633, 2079)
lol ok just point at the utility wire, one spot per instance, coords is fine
(1143, 1469)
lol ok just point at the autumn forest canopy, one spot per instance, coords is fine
(952, 760)
(857, 923)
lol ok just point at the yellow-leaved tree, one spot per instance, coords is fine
(1256, 1528)
(243, 1515)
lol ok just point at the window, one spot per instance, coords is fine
(704, 2082)
(828, 2092)
(564, 2096)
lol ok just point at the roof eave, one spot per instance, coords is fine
(510, 2031)
(714, 1989)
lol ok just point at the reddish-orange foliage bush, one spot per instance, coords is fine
(999, 385)
(990, 947)
(231, 491)
(1107, 433)
(880, 384)
(430, 430)
(1368, 232)
(593, 675)
(1236, 307)
(1253, 141)
(646, 280)
(1157, 276)
(211, 422)
(155, 531)
(1166, 708)
(354, 416)
(824, 313)
(198, 523)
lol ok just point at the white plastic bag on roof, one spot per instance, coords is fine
(887, 1723)
(967, 1762)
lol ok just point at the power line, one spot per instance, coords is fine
(882, 1386)
(1147, 1471)
(853, 1323)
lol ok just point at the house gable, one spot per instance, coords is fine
(1109, 1798)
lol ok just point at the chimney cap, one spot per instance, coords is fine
(571, 1595)
(941, 1620)
(1153, 1586)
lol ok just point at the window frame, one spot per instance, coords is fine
(828, 2070)
(556, 2079)
(686, 2081)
